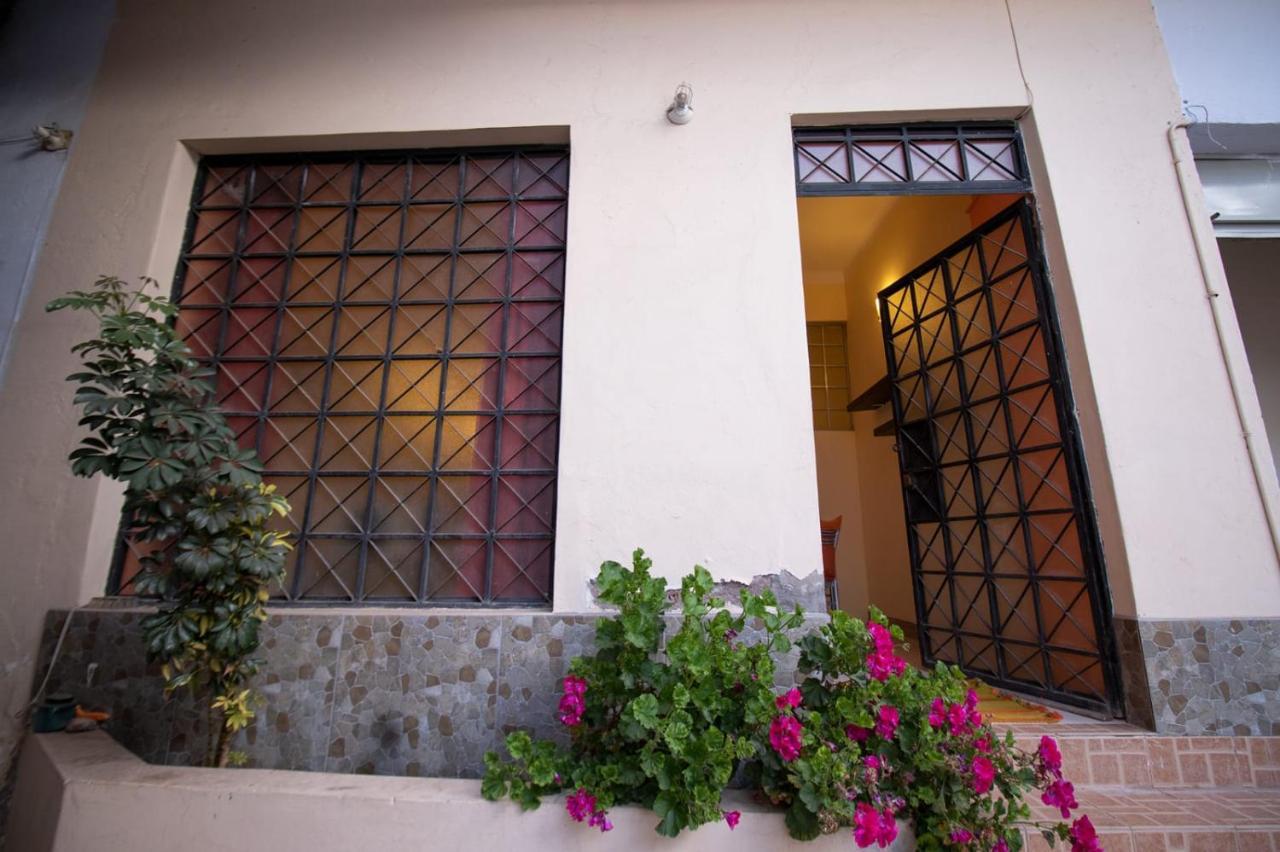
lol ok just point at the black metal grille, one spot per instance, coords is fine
(386, 334)
(910, 159)
(1005, 567)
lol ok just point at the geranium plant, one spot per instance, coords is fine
(871, 741)
(193, 498)
(664, 730)
(864, 744)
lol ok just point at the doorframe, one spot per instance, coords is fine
(1072, 439)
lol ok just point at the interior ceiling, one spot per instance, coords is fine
(834, 229)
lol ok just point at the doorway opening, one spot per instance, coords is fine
(947, 457)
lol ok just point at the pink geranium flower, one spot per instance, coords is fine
(1083, 836)
(1050, 756)
(732, 818)
(961, 836)
(887, 723)
(1061, 795)
(982, 744)
(1000, 845)
(580, 805)
(573, 703)
(882, 663)
(857, 733)
(871, 826)
(984, 774)
(792, 698)
(937, 713)
(785, 737)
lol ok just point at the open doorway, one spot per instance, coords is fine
(944, 436)
(851, 249)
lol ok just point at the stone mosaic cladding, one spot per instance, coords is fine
(1212, 676)
(382, 692)
(426, 693)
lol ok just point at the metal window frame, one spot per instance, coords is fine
(358, 160)
(909, 135)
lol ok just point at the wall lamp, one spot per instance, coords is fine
(681, 109)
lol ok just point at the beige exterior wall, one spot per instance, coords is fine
(686, 423)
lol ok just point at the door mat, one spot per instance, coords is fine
(996, 705)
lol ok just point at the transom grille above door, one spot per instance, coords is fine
(1004, 561)
(385, 331)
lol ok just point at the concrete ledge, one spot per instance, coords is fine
(86, 792)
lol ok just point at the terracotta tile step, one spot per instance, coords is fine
(1142, 760)
(1221, 820)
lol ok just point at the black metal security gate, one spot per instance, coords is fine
(1004, 557)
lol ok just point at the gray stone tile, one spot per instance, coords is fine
(535, 656)
(122, 681)
(295, 689)
(416, 695)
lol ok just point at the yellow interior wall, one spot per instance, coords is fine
(836, 452)
(888, 236)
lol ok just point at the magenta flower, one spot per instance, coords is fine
(882, 663)
(888, 722)
(580, 805)
(984, 774)
(961, 836)
(857, 733)
(600, 819)
(792, 698)
(1000, 846)
(732, 818)
(785, 737)
(1083, 836)
(871, 761)
(982, 744)
(881, 667)
(873, 827)
(573, 703)
(1050, 757)
(958, 719)
(1061, 795)
(937, 713)
(971, 708)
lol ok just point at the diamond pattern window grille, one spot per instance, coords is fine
(1004, 559)
(385, 331)
(920, 158)
(829, 375)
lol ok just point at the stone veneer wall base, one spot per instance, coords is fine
(408, 692)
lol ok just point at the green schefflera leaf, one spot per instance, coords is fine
(153, 425)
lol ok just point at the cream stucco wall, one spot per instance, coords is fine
(686, 422)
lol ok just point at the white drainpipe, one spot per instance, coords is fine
(1215, 281)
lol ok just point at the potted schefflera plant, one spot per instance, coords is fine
(194, 500)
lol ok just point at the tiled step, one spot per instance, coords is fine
(1116, 756)
(1219, 820)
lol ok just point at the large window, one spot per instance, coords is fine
(385, 331)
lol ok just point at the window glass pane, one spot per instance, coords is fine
(829, 375)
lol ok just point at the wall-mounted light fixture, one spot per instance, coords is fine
(681, 109)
